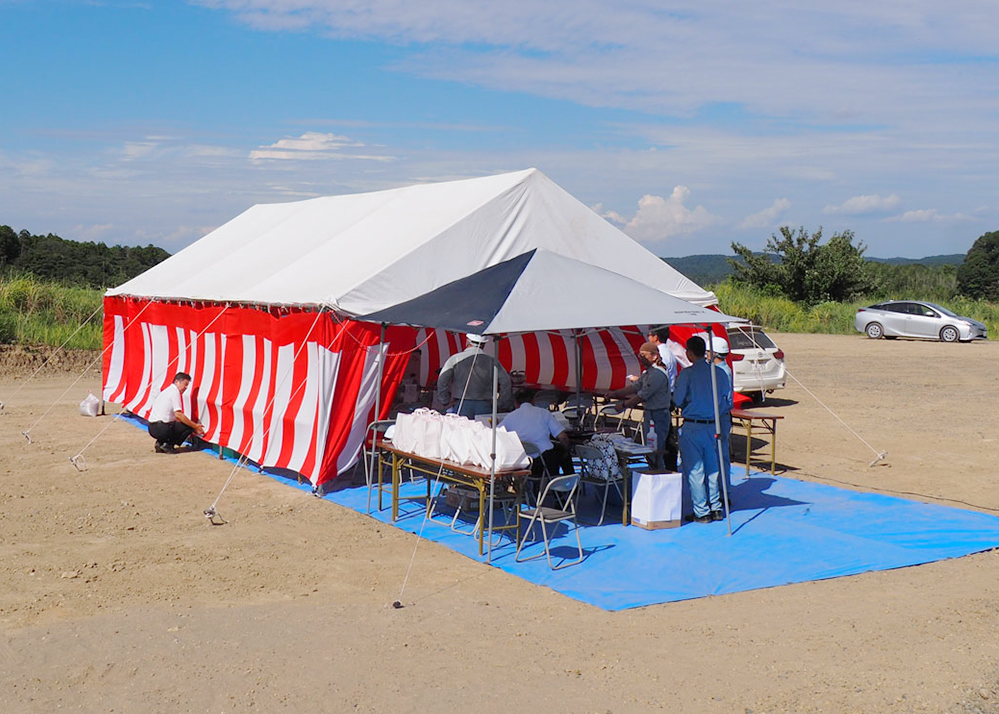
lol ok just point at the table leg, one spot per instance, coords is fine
(626, 497)
(483, 520)
(396, 473)
(773, 448)
(749, 443)
(379, 480)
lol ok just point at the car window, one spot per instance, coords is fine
(925, 311)
(940, 308)
(897, 307)
(744, 339)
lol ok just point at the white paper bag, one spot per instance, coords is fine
(404, 436)
(456, 439)
(510, 452)
(429, 427)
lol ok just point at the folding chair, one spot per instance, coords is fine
(577, 411)
(375, 429)
(534, 482)
(551, 517)
(593, 470)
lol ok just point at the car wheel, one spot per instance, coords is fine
(949, 334)
(874, 330)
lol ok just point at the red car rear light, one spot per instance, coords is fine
(735, 356)
(779, 354)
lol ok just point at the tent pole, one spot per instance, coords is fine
(718, 443)
(378, 400)
(579, 373)
(492, 455)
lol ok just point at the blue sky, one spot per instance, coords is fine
(687, 124)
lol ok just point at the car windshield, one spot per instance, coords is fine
(747, 338)
(944, 310)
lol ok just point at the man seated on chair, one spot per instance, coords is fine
(167, 422)
(536, 426)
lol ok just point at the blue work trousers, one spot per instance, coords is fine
(699, 455)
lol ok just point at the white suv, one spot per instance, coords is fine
(757, 363)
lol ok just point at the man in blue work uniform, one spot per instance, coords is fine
(698, 449)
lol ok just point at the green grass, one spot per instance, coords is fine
(782, 315)
(43, 313)
(38, 312)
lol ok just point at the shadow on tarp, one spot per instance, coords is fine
(784, 531)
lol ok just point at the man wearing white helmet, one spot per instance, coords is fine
(719, 345)
(465, 385)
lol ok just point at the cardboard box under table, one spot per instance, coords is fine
(656, 499)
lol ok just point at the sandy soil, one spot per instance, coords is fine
(116, 595)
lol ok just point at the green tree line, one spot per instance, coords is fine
(94, 265)
(800, 267)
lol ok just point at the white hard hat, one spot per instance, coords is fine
(476, 339)
(719, 345)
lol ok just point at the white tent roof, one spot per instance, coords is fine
(365, 252)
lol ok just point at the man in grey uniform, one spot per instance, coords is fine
(465, 385)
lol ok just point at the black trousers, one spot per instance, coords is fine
(169, 432)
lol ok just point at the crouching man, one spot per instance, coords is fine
(167, 422)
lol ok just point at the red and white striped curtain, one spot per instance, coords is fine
(290, 390)
(295, 390)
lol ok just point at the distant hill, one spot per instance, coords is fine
(714, 268)
(95, 265)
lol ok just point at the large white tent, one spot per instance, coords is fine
(364, 252)
(266, 311)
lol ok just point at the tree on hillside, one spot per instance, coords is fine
(978, 276)
(10, 246)
(92, 264)
(802, 268)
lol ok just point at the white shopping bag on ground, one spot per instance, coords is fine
(90, 406)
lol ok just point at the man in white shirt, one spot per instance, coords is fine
(167, 422)
(536, 426)
(660, 338)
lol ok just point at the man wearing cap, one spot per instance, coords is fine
(652, 391)
(465, 384)
(698, 450)
(719, 345)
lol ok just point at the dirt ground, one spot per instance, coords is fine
(116, 595)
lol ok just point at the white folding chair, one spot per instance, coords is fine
(546, 516)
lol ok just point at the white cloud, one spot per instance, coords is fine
(928, 215)
(861, 205)
(767, 217)
(312, 146)
(658, 218)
